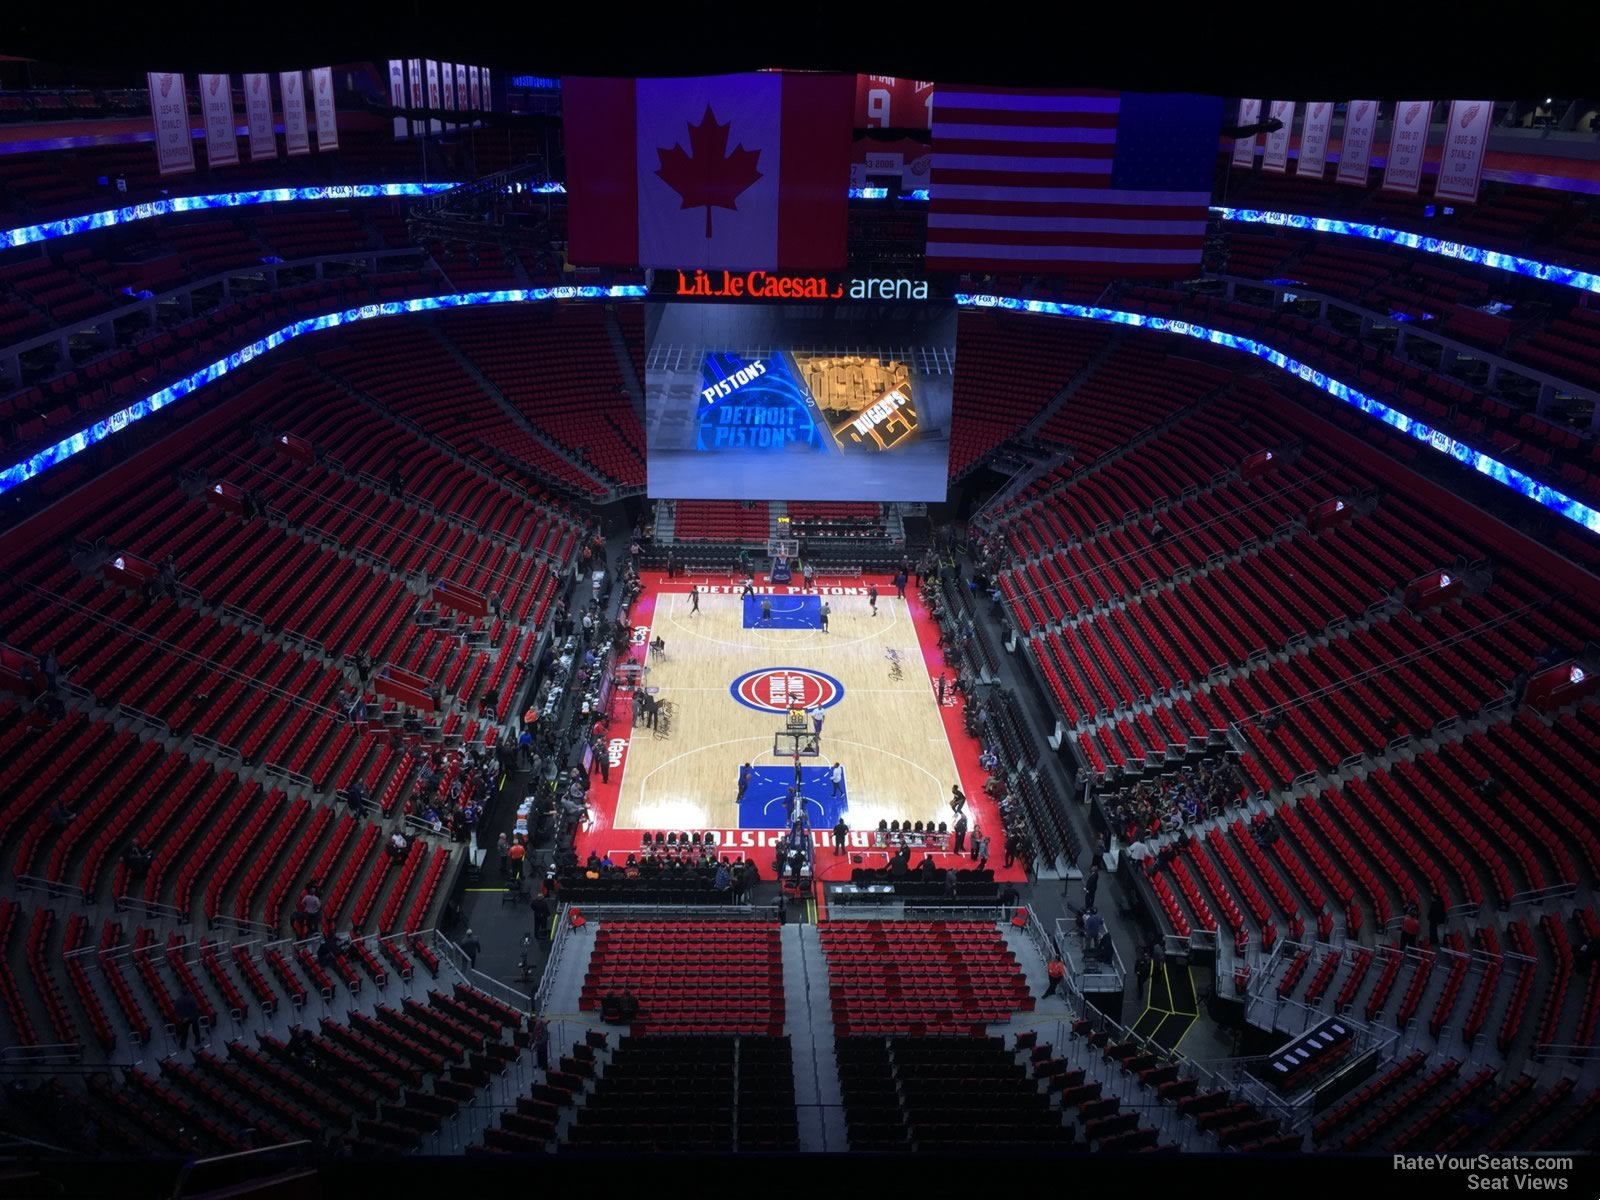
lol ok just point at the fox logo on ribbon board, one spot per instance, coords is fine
(779, 689)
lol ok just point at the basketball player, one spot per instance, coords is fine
(872, 597)
(694, 599)
(749, 587)
(816, 714)
(766, 611)
(826, 609)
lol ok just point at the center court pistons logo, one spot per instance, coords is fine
(778, 689)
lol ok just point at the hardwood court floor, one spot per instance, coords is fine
(885, 729)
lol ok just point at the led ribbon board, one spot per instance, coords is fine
(1586, 281)
(1436, 439)
(28, 235)
(20, 472)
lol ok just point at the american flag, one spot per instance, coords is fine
(1070, 182)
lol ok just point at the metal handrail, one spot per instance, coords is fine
(1176, 535)
(177, 651)
(507, 579)
(1413, 656)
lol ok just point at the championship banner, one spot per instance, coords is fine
(893, 102)
(258, 116)
(169, 109)
(1276, 156)
(216, 107)
(1244, 149)
(397, 95)
(1355, 151)
(906, 159)
(327, 111)
(1465, 140)
(463, 99)
(1408, 146)
(475, 81)
(1313, 160)
(487, 92)
(431, 70)
(296, 138)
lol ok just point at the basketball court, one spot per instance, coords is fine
(728, 683)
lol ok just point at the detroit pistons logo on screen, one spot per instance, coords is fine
(778, 689)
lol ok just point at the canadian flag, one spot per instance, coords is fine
(730, 172)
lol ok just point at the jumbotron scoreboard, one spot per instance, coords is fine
(825, 403)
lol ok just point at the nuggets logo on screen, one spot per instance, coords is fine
(778, 689)
(753, 404)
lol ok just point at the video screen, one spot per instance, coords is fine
(798, 402)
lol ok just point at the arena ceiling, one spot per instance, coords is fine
(1255, 49)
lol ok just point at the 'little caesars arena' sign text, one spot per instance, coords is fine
(766, 285)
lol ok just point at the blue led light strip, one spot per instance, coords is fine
(1438, 440)
(20, 472)
(27, 235)
(1586, 281)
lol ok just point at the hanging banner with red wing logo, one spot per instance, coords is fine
(296, 137)
(872, 158)
(1465, 139)
(169, 109)
(1355, 151)
(1244, 148)
(893, 102)
(397, 95)
(258, 116)
(1408, 146)
(1313, 160)
(216, 106)
(327, 113)
(1276, 156)
(731, 172)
